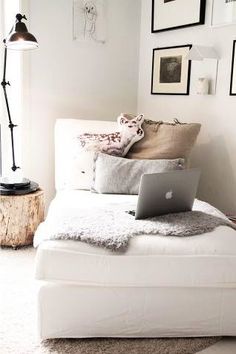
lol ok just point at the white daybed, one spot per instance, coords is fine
(160, 287)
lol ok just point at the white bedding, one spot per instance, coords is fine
(69, 311)
(160, 287)
(207, 260)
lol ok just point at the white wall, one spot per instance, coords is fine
(215, 152)
(69, 79)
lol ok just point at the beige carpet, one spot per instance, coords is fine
(18, 320)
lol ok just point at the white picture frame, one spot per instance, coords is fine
(89, 21)
(223, 13)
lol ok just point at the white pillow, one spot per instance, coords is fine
(74, 163)
(80, 171)
(68, 165)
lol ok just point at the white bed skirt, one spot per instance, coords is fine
(73, 311)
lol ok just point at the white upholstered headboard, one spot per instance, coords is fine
(66, 131)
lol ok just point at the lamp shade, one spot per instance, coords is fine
(19, 38)
(199, 52)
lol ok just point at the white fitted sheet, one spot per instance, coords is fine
(207, 260)
(70, 311)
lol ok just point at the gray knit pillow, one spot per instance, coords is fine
(118, 175)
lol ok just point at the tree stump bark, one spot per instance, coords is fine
(19, 217)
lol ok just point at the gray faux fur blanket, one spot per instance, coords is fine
(112, 227)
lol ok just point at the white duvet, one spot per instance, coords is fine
(102, 220)
(203, 260)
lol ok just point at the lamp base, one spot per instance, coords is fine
(25, 186)
(14, 183)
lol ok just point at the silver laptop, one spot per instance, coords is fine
(168, 192)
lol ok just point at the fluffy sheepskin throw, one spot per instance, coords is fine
(112, 227)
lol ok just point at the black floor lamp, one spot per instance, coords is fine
(18, 39)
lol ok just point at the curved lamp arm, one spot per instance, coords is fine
(4, 83)
(19, 39)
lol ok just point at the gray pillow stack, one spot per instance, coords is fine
(118, 175)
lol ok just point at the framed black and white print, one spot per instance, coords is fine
(174, 14)
(232, 91)
(171, 70)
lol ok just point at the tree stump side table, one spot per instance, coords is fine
(19, 217)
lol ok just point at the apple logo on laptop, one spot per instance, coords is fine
(169, 195)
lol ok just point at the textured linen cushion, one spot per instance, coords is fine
(165, 140)
(122, 176)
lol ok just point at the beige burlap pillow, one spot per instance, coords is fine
(165, 140)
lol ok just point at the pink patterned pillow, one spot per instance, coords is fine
(117, 143)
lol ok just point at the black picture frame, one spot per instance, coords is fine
(186, 90)
(233, 71)
(201, 18)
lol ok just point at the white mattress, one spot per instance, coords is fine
(207, 260)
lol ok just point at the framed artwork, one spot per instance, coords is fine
(232, 91)
(171, 71)
(173, 14)
(223, 12)
(89, 21)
